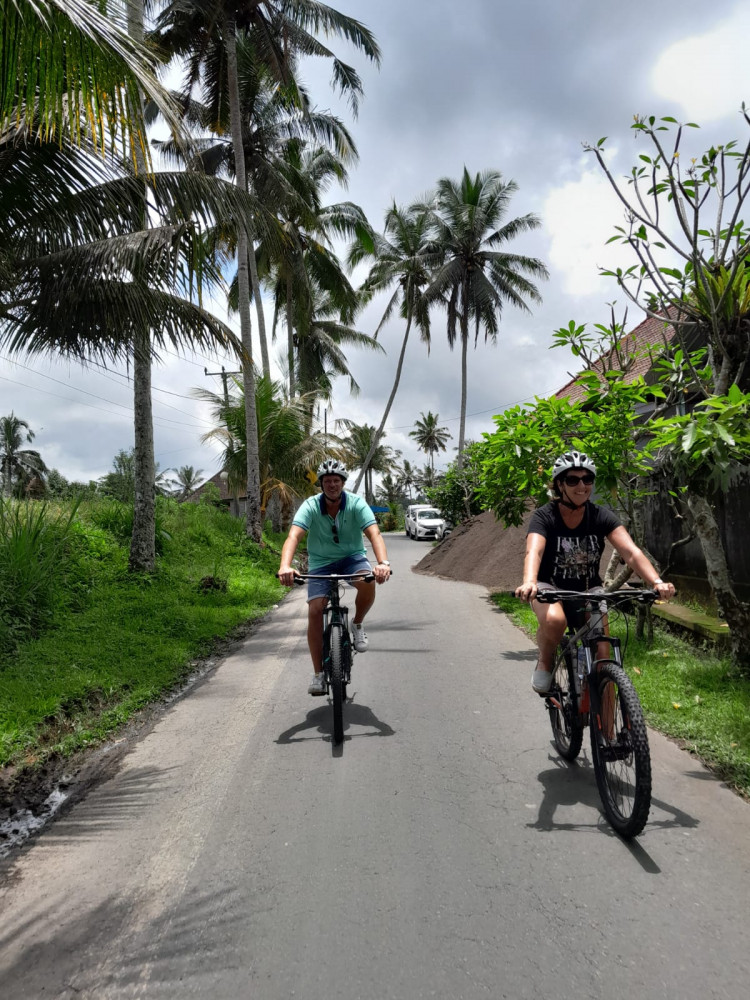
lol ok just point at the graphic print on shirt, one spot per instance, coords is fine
(576, 558)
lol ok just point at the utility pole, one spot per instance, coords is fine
(224, 376)
(233, 502)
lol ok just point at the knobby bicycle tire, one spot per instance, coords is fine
(619, 748)
(337, 681)
(567, 731)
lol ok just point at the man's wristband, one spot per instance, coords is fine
(657, 581)
(384, 562)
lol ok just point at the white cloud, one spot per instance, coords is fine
(579, 218)
(709, 74)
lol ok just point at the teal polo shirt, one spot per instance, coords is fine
(353, 517)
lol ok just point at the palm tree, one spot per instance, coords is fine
(85, 273)
(426, 478)
(17, 465)
(406, 477)
(186, 481)
(358, 444)
(429, 437)
(283, 29)
(90, 82)
(287, 450)
(320, 357)
(404, 256)
(306, 266)
(476, 278)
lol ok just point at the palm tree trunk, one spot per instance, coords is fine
(389, 404)
(290, 336)
(253, 524)
(255, 285)
(462, 426)
(143, 541)
(142, 557)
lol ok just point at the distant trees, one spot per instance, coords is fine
(18, 465)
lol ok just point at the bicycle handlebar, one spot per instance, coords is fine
(612, 596)
(301, 578)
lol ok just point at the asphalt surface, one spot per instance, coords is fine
(442, 851)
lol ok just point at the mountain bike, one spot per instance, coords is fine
(337, 642)
(592, 690)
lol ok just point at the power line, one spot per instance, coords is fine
(102, 398)
(78, 402)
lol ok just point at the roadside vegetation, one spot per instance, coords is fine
(84, 643)
(693, 695)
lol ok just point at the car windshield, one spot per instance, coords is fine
(428, 515)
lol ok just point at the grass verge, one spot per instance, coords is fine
(689, 694)
(119, 642)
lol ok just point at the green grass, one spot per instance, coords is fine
(125, 641)
(689, 694)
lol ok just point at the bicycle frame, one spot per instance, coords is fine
(337, 642)
(595, 690)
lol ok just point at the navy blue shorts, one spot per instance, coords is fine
(349, 564)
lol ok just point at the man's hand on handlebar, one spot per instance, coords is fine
(527, 591)
(287, 574)
(381, 572)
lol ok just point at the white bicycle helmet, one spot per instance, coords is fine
(572, 460)
(332, 467)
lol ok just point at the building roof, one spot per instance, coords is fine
(219, 483)
(652, 332)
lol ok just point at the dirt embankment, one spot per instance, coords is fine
(480, 551)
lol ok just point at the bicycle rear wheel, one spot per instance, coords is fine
(337, 680)
(619, 748)
(562, 703)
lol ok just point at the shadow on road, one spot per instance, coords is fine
(113, 949)
(572, 784)
(320, 720)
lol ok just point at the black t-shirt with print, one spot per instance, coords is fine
(571, 556)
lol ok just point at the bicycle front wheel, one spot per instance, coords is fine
(562, 702)
(619, 748)
(337, 681)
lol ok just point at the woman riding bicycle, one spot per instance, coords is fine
(564, 546)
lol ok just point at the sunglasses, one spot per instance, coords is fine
(587, 480)
(335, 531)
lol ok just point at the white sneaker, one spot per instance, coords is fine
(359, 637)
(317, 684)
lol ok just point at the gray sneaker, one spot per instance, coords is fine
(317, 684)
(541, 681)
(359, 637)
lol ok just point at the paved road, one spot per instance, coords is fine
(443, 851)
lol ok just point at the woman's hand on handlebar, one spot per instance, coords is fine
(527, 591)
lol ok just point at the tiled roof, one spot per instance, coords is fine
(651, 332)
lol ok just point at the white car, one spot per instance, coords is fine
(424, 521)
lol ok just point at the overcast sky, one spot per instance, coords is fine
(513, 87)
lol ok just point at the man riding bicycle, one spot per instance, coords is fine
(334, 522)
